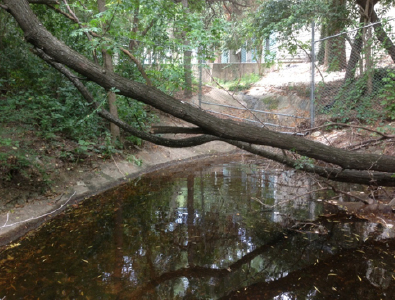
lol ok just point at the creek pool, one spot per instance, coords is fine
(239, 230)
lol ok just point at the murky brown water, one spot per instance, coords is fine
(203, 234)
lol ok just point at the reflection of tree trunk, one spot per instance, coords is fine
(190, 220)
(315, 277)
(118, 241)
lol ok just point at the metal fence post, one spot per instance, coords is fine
(200, 61)
(312, 76)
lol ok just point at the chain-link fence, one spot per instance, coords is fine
(353, 78)
(354, 75)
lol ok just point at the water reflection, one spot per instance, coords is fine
(229, 231)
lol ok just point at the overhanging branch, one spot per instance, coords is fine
(335, 174)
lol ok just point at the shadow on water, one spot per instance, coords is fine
(231, 231)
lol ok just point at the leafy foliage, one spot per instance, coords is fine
(355, 101)
(388, 94)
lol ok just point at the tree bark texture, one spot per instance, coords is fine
(355, 54)
(335, 47)
(111, 97)
(367, 7)
(383, 37)
(187, 60)
(216, 128)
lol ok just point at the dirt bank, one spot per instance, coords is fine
(80, 183)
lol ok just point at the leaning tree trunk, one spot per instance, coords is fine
(382, 36)
(230, 131)
(355, 54)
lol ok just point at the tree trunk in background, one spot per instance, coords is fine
(382, 36)
(335, 48)
(187, 61)
(321, 50)
(355, 54)
(111, 97)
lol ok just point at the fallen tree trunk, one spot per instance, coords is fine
(227, 130)
(336, 174)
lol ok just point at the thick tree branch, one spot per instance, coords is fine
(382, 36)
(175, 130)
(364, 177)
(335, 174)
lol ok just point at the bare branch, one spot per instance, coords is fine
(351, 126)
(68, 16)
(71, 12)
(138, 64)
(348, 194)
(35, 218)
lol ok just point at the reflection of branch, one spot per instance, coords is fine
(348, 194)
(308, 278)
(198, 271)
(300, 196)
(35, 218)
